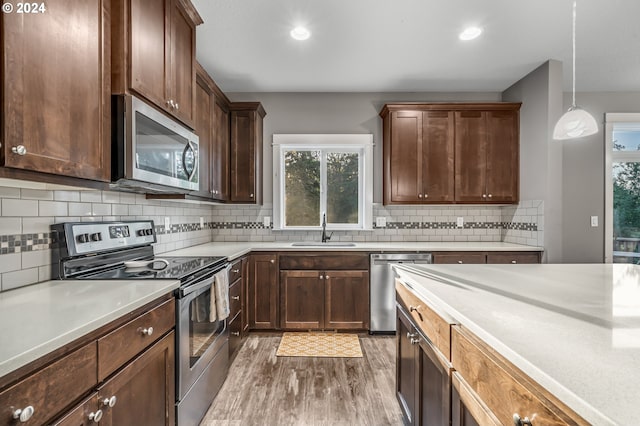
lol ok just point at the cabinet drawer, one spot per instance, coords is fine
(503, 388)
(235, 271)
(51, 389)
(318, 261)
(235, 335)
(124, 343)
(459, 257)
(235, 297)
(513, 257)
(432, 325)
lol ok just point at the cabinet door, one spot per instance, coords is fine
(437, 156)
(346, 302)
(471, 156)
(220, 151)
(243, 157)
(502, 156)
(204, 130)
(435, 386)
(144, 389)
(149, 49)
(459, 257)
(56, 96)
(182, 63)
(406, 367)
(404, 156)
(263, 291)
(245, 296)
(83, 415)
(302, 300)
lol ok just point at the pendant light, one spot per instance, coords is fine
(576, 122)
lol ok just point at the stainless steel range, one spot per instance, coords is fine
(123, 250)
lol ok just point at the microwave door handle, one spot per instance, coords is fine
(188, 147)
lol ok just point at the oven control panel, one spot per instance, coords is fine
(83, 238)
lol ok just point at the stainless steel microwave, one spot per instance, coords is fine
(151, 152)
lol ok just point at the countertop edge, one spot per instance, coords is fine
(449, 313)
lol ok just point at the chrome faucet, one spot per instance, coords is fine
(325, 237)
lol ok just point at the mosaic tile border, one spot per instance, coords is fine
(25, 242)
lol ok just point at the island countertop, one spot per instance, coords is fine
(41, 318)
(574, 329)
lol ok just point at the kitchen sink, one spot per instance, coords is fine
(328, 244)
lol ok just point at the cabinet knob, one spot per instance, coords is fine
(426, 195)
(411, 335)
(235, 297)
(484, 195)
(96, 417)
(235, 333)
(250, 195)
(171, 103)
(23, 414)
(490, 195)
(20, 150)
(147, 331)
(517, 421)
(460, 261)
(415, 341)
(327, 277)
(235, 271)
(321, 277)
(177, 106)
(272, 261)
(514, 261)
(419, 195)
(110, 402)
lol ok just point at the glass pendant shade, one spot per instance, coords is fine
(575, 123)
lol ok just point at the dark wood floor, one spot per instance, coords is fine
(263, 389)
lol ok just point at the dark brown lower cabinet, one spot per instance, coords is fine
(302, 300)
(263, 291)
(423, 376)
(346, 303)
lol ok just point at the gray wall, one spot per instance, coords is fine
(336, 113)
(540, 156)
(583, 177)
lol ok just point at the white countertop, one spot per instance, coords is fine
(41, 318)
(233, 250)
(575, 329)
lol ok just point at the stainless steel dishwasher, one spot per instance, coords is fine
(382, 293)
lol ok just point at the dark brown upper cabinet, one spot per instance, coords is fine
(438, 153)
(418, 160)
(56, 105)
(204, 130)
(153, 53)
(220, 147)
(246, 152)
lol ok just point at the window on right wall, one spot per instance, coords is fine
(622, 188)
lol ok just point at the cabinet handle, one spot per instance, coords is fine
(235, 297)
(24, 414)
(110, 402)
(171, 103)
(20, 150)
(147, 331)
(414, 308)
(235, 333)
(514, 261)
(517, 421)
(96, 417)
(460, 261)
(235, 271)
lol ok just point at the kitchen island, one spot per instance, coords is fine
(572, 329)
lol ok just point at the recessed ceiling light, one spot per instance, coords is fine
(470, 33)
(300, 33)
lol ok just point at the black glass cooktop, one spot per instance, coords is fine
(178, 269)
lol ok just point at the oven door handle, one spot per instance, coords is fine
(193, 288)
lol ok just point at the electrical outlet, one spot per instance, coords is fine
(167, 224)
(201, 223)
(594, 221)
(381, 222)
(266, 221)
(460, 222)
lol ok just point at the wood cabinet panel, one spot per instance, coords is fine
(432, 325)
(437, 156)
(502, 387)
(320, 261)
(235, 336)
(56, 91)
(459, 257)
(204, 129)
(235, 298)
(124, 343)
(182, 62)
(471, 156)
(513, 257)
(502, 177)
(220, 150)
(236, 271)
(466, 408)
(263, 291)
(302, 300)
(83, 415)
(406, 368)
(405, 154)
(50, 389)
(246, 152)
(346, 300)
(145, 389)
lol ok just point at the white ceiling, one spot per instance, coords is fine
(412, 45)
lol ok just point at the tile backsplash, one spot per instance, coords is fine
(26, 216)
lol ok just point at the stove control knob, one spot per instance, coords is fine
(140, 233)
(148, 231)
(96, 237)
(82, 238)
